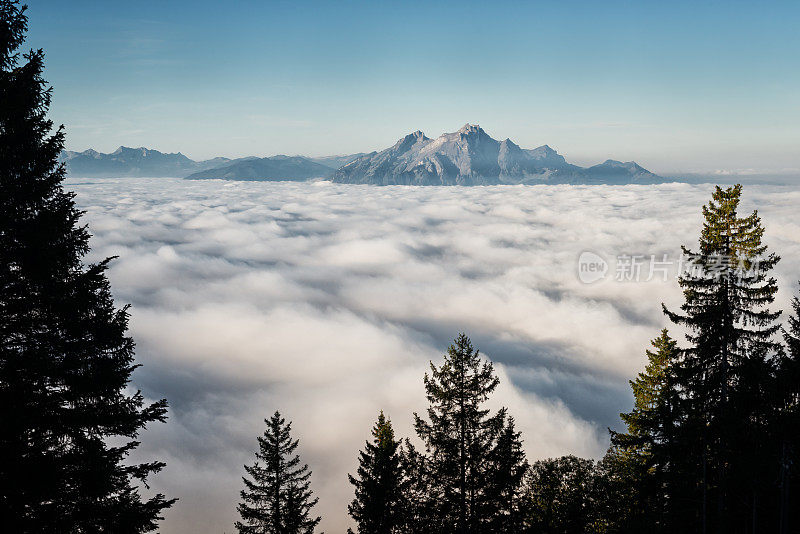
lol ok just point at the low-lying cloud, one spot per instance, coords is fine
(327, 302)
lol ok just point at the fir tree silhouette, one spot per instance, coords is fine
(380, 484)
(474, 458)
(277, 497)
(68, 419)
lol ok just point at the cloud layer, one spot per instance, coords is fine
(327, 302)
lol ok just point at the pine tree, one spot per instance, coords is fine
(380, 485)
(277, 498)
(507, 466)
(723, 371)
(468, 489)
(646, 423)
(636, 459)
(68, 419)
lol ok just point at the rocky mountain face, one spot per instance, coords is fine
(471, 157)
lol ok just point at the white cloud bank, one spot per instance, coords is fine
(327, 301)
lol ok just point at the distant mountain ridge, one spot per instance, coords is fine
(141, 161)
(145, 162)
(468, 156)
(471, 157)
(289, 168)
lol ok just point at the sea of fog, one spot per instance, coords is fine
(328, 301)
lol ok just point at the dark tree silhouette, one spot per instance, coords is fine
(277, 497)
(637, 461)
(786, 427)
(507, 466)
(380, 485)
(421, 516)
(723, 375)
(68, 419)
(475, 458)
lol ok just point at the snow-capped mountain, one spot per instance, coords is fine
(471, 157)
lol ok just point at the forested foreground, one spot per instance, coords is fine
(710, 444)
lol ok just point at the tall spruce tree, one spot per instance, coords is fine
(277, 498)
(636, 461)
(68, 419)
(380, 485)
(722, 374)
(469, 488)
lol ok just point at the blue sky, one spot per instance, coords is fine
(678, 87)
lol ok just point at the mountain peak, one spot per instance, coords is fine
(621, 164)
(414, 136)
(509, 143)
(470, 129)
(410, 140)
(123, 149)
(470, 156)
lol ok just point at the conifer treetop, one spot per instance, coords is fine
(277, 496)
